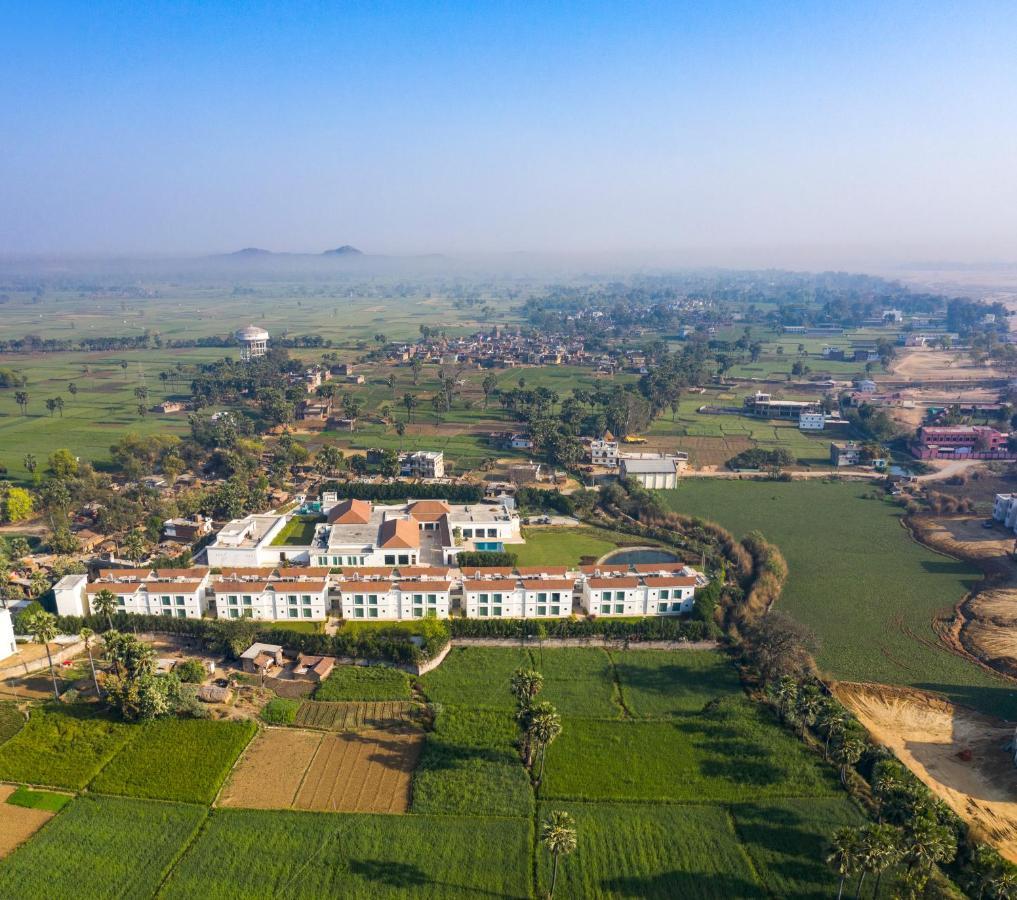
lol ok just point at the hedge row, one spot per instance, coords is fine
(406, 490)
(654, 628)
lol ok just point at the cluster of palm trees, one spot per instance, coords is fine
(539, 723)
(804, 706)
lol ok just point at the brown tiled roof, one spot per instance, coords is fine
(170, 587)
(248, 571)
(304, 572)
(489, 571)
(659, 567)
(605, 570)
(365, 572)
(135, 574)
(284, 587)
(423, 571)
(423, 586)
(613, 582)
(193, 572)
(549, 584)
(505, 585)
(429, 510)
(124, 588)
(241, 587)
(350, 512)
(365, 587)
(399, 533)
(551, 571)
(670, 581)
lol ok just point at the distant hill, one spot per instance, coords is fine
(251, 251)
(344, 250)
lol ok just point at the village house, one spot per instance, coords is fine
(261, 658)
(422, 464)
(604, 451)
(961, 442)
(315, 668)
(186, 530)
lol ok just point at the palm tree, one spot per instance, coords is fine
(21, 398)
(544, 728)
(558, 834)
(105, 604)
(526, 684)
(31, 463)
(830, 722)
(410, 402)
(1004, 885)
(808, 703)
(86, 635)
(926, 843)
(879, 849)
(134, 545)
(784, 693)
(845, 855)
(846, 752)
(42, 626)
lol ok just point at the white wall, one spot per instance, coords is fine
(8, 646)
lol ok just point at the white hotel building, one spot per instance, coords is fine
(182, 593)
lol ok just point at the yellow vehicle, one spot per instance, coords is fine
(633, 439)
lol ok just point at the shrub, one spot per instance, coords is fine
(280, 711)
(485, 558)
(191, 671)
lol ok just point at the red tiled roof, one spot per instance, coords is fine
(613, 582)
(365, 572)
(365, 587)
(542, 570)
(241, 587)
(283, 587)
(124, 588)
(549, 584)
(490, 571)
(408, 587)
(504, 585)
(659, 567)
(671, 581)
(605, 570)
(136, 574)
(423, 571)
(398, 533)
(350, 512)
(429, 510)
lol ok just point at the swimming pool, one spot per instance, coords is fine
(638, 555)
(490, 546)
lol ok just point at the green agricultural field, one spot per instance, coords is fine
(11, 720)
(651, 851)
(47, 800)
(175, 759)
(660, 685)
(868, 590)
(364, 683)
(62, 746)
(787, 841)
(280, 711)
(578, 682)
(470, 766)
(101, 847)
(729, 754)
(103, 410)
(476, 677)
(248, 853)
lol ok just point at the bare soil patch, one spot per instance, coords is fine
(17, 823)
(959, 754)
(269, 773)
(939, 365)
(369, 771)
(986, 625)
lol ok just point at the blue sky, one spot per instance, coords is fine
(885, 128)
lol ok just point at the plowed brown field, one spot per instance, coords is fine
(269, 773)
(365, 772)
(17, 823)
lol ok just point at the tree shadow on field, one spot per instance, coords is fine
(668, 885)
(406, 875)
(400, 755)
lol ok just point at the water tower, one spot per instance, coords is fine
(253, 342)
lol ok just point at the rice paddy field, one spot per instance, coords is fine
(858, 580)
(678, 784)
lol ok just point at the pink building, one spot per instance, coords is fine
(961, 441)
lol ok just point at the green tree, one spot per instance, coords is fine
(21, 398)
(62, 463)
(416, 367)
(411, 403)
(558, 835)
(104, 603)
(31, 463)
(43, 628)
(329, 461)
(926, 843)
(845, 855)
(17, 505)
(134, 545)
(846, 752)
(544, 728)
(72, 389)
(488, 385)
(525, 685)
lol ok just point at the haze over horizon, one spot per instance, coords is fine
(701, 134)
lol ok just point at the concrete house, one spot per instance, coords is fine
(547, 597)
(501, 598)
(652, 474)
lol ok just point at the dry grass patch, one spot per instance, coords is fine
(18, 823)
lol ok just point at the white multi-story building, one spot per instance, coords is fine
(423, 464)
(8, 646)
(1004, 509)
(604, 451)
(357, 533)
(160, 592)
(652, 591)
(621, 595)
(276, 601)
(669, 595)
(395, 601)
(495, 598)
(548, 597)
(812, 421)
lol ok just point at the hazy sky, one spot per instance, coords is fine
(886, 128)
